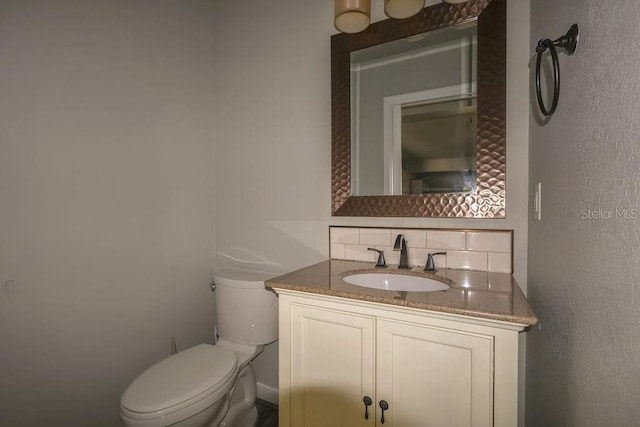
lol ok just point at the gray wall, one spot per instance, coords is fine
(584, 281)
(272, 138)
(106, 200)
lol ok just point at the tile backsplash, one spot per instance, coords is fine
(481, 250)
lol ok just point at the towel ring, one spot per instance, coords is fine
(568, 42)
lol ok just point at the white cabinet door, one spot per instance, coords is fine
(433, 377)
(332, 367)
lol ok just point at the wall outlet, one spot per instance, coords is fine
(537, 202)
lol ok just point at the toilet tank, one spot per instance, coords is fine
(247, 313)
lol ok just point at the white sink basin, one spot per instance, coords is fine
(395, 282)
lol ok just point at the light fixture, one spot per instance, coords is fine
(400, 9)
(352, 16)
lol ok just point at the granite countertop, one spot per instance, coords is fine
(479, 294)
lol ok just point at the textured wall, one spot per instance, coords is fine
(583, 272)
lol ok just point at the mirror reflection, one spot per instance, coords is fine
(414, 114)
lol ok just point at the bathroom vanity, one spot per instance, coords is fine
(356, 356)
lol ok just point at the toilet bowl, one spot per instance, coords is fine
(210, 385)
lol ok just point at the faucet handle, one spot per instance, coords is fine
(382, 263)
(431, 267)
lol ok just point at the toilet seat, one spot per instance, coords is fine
(187, 382)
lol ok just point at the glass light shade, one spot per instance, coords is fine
(400, 9)
(352, 16)
(455, 1)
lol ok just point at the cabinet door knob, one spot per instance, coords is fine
(367, 402)
(384, 406)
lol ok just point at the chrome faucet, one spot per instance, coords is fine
(401, 245)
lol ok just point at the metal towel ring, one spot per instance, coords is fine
(568, 42)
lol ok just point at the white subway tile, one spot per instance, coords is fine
(499, 263)
(446, 239)
(375, 236)
(489, 241)
(359, 253)
(344, 235)
(415, 238)
(467, 260)
(337, 251)
(473, 250)
(417, 257)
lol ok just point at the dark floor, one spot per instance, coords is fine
(267, 413)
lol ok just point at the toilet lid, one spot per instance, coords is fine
(191, 373)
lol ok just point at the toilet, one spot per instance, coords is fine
(211, 385)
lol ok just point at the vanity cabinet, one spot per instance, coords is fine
(432, 376)
(332, 366)
(431, 369)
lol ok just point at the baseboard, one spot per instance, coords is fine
(268, 393)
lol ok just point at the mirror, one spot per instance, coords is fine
(413, 109)
(418, 115)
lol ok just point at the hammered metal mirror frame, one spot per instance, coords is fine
(488, 200)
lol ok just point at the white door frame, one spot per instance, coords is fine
(392, 144)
